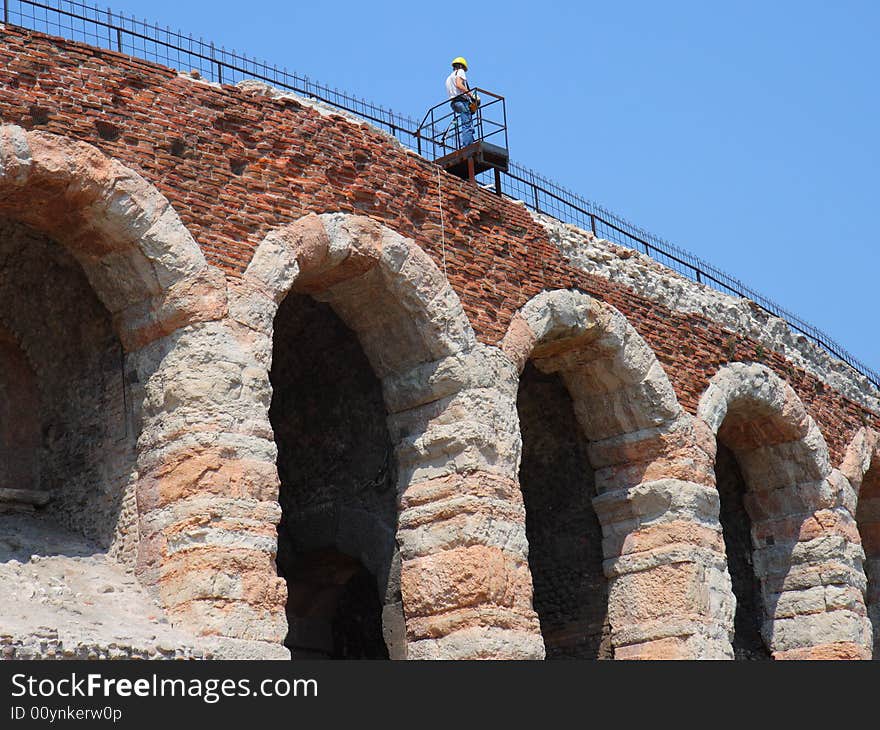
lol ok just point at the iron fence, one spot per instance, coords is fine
(80, 21)
(545, 196)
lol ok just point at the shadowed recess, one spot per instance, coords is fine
(565, 538)
(338, 494)
(868, 520)
(736, 527)
(19, 417)
(66, 427)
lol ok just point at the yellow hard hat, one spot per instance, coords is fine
(461, 61)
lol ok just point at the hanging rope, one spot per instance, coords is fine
(442, 226)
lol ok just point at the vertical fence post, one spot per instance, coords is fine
(5, 12)
(214, 59)
(118, 31)
(216, 63)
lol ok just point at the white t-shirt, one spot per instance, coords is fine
(451, 88)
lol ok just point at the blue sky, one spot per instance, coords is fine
(743, 131)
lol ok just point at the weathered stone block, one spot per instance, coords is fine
(462, 577)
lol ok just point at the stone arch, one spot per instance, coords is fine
(138, 256)
(861, 467)
(343, 260)
(153, 300)
(459, 593)
(805, 550)
(652, 493)
(119, 235)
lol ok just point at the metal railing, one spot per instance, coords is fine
(438, 134)
(79, 21)
(545, 196)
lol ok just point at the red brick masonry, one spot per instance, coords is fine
(236, 166)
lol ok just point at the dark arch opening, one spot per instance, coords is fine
(868, 521)
(19, 417)
(334, 606)
(68, 430)
(564, 534)
(736, 526)
(336, 539)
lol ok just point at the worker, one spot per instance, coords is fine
(461, 99)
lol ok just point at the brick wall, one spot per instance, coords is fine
(235, 166)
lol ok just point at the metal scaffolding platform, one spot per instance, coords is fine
(438, 139)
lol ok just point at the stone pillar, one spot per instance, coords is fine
(860, 496)
(809, 558)
(208, 492)
(465, 581)
(670, 595)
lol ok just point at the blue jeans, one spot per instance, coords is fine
(464, 122)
